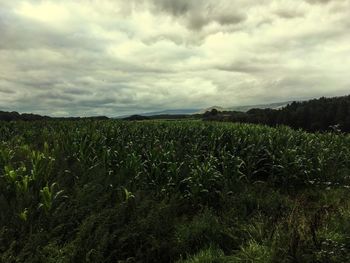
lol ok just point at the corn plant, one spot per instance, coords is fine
(48, 195)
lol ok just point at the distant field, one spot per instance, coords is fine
(179, 191)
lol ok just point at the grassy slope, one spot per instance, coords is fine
(111, 191)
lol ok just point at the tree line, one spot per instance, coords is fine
(323, 114)
(15, 116)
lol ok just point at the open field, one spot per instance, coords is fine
(179, 191)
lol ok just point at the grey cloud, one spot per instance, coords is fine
(198, 14)
(198, 21)
(54, 96)
(265, 21)
(97, 102)
(77, 91)
(289, 14)
(318, 1)
(178, 40)
(23, 33)
(255, 65)
(7, 91)
(241, 68)
(170, 54)
(228, 19)
(176, 8)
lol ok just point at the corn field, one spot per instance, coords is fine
(172, 191)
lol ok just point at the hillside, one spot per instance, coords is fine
(15, 116)
(245, 108)
(161, 113)
(180, 112)
(324, 114)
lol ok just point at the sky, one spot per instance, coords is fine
(86, 58)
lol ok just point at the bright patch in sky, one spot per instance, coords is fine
(44, 12)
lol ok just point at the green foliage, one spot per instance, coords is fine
(24, 215)
(179, 191)
(202, 231)
(253, 252)
(324, 114)
(209, 255)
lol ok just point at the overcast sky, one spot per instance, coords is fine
(111, 58)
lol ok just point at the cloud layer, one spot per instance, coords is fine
(82, 58)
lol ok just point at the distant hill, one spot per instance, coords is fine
(164, 112)
(15, 116)
(218, 108)
(245, 108)
(276, 105)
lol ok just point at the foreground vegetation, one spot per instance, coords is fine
(110, 191)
